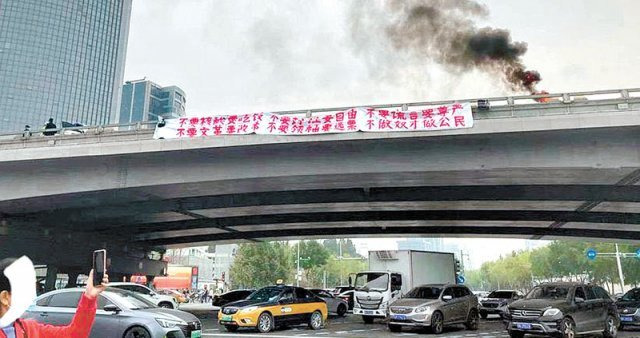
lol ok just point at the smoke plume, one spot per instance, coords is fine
(444, 31)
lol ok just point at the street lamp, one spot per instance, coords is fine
(298, 272)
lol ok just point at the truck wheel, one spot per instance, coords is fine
(367, 319)
(610, 327)
(342, 310)
(437, 322)
(484, 314)
(395, 328)
(472, 320)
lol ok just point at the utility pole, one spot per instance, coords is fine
(298, 268)
(620, 269)
(340, 257)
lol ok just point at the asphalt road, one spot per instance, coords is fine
(353, 327)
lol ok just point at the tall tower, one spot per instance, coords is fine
(62, 59)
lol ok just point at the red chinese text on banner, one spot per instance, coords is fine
(318, 123)
(215, 125)
(449, 116)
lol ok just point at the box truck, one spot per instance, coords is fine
(393, 273)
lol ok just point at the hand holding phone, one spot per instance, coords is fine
(99, 266)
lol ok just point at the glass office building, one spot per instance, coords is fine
(143, 100)
(62, 59)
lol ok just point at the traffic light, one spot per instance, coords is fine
(458, 266)
(223, 276)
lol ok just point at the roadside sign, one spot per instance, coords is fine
(460, 279)
(591, 254)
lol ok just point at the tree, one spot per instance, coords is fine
(313, 254)
(261, 264)
(348, 248)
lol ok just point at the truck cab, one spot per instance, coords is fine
(374, 291)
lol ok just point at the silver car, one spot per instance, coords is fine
(335, 305)
(434, 306)
(119, 313)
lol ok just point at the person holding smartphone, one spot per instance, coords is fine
(80, 325)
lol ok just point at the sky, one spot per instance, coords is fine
(249, 56)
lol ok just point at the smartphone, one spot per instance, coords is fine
(99, 266)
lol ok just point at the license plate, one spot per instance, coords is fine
(523, 326)
(227, 318)
(196, 334)
(626, 319)
(399, 317)
(368, 312)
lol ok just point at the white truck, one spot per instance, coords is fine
(393, 273)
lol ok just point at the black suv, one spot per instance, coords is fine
(565, 310)
(629, 308)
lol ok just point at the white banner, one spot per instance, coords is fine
(318, 123)
(450, 116)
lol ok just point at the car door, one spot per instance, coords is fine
(449, 311)
(107, 323)
(286, 306)
(462, 302)
(597, 308)
(61, 308)
(582, 313)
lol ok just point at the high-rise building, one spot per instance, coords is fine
(424, 244)
(62, 59)
(143, 100)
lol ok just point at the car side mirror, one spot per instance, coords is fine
(579, 300)
(447, 298)
(111, 308)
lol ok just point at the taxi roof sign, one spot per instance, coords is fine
(279, 282)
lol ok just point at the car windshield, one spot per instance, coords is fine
(130, 300)
(424, 292)
(500, 294)
(632, 295)
(548, 292)
(372, 281)
(268, 294)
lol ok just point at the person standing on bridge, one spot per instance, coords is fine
(49, 125)
(17, 293)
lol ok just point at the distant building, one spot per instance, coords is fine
(143, 100)
(224, 256)
(193, 256)
(423, 244)
(61, 59)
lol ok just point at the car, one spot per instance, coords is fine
(347, 296)
(481, 294)
(161, 300)
(496, 302)
(563, 309)
(335, 304)
(274, 306)
(119, 313)
(178, 296)
(433, 306)
(341, 289)
(629, 308)
(231, 296)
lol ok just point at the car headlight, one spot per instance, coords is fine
(249, 309)
(551, 312)
(168, 323)
(422, 309)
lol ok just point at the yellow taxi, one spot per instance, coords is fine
(274, 306)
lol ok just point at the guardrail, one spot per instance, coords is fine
(483, 108)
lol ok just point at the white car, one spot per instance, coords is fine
(161, 300)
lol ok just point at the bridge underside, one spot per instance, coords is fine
(542, 185)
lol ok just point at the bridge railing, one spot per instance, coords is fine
(483, 108)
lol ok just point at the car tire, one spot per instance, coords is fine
(484, 314)
(394, 328)
(515, 334)
(316, 321)
(137, 332)
(166, 305)
(342, 310)
(472, 320)
(265, 322)
(567, 328)
(367, 319)
(231, 328)
(437, 322)
(610, 327)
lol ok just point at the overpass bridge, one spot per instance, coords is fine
(565, 168)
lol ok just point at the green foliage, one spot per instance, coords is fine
(560, 260)
(348, 248)
(312, 254)
(261, 264)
